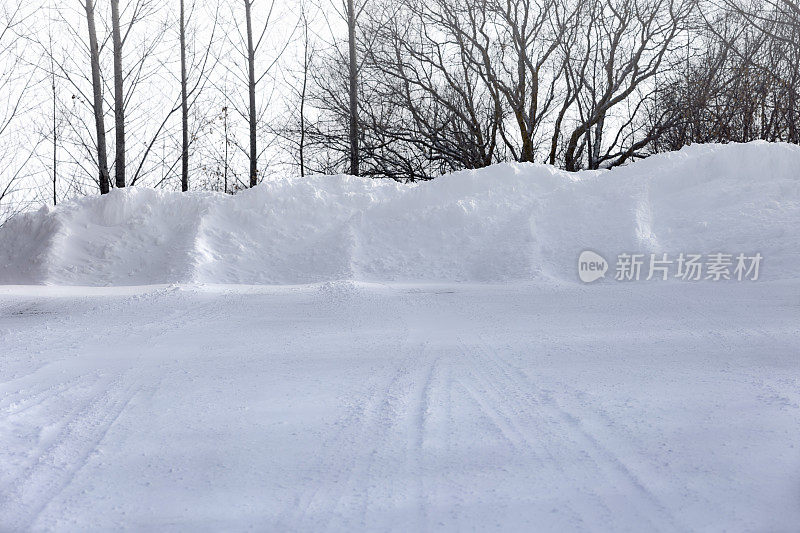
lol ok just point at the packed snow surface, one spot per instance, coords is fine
(343, 354)
(506, 222)
(364, 407)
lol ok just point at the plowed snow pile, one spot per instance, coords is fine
(506, 222)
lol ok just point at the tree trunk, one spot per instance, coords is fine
(55, 129)
(303, 99)
(351, 39)
(251, 89)
(594, 164)
(526, 154)
(119, 98)
(225, 166)
(184, 107)
(97, 107)
(570, 160)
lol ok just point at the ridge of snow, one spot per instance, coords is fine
(511, 221)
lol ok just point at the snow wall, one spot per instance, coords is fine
(507, 222)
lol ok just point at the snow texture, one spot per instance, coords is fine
(324, 354)
(362, 407)
(507, 222)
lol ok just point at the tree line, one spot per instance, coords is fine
(191, 94)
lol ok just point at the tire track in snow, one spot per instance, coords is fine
(312, 505)
(358, 436)
(62, 414)
(607, 464)
(535, 439)
(435, 442)
(52, 470)
(385, 432)
(521, 411)
(23, 400)
(395, 430)
(487, 396)
(419, 463)
(73, 435)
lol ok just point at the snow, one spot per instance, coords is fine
(512, 222)
(340, 354)
(350, 406)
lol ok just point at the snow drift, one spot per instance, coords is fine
(506, 222)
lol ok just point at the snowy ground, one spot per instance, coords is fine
(350, 406)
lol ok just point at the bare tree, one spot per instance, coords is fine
(251, 93)
(17, 82)
(256, 46)
(741, 84)
(184, 104)
(119, 98)
(133, 110)
(421, 107)
(54, 118)
(97, 91)
(249, 48)
(627, 43)
(353, 85)
(512, 46)
(307, 53)
(442, 116)
(195, 67)
(401, 89)
(457, 84)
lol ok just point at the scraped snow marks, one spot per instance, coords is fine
(502, 223)
(468, 226)
(284, 231)
(26, 242)
(128, 237)
(743, 198)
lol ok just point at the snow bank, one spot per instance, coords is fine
(507, 222)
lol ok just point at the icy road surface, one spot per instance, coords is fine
(346, 406)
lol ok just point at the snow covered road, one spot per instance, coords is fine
(351, 406)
